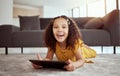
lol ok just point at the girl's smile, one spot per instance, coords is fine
(60, 36)
(60, 29)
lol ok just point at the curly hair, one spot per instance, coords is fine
(73, 34)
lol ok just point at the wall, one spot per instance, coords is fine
(45, 11)
(52, 11)
(6, 7)
(23, 10)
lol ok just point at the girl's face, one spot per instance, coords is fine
(60, 29)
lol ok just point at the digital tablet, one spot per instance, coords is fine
(49, 64)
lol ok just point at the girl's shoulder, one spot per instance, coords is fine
(80, 41)
(78, 44)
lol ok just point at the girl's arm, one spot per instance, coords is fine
(78, 63)
(49, 56)
(79, 59)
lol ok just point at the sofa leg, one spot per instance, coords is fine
(114, 50)
(6, 50)
(102, 49)
(21, 50)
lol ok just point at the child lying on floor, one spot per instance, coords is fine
(63, 38)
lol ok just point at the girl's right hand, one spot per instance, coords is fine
(37, 66)
(70, 66)
(39, 57)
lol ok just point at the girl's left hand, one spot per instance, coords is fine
(37, 66)
(70, 66)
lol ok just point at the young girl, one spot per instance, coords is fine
(63, 38)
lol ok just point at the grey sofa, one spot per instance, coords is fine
(99, 31)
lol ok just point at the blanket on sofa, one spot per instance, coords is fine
(19, 65)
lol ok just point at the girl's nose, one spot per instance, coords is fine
(59, 29)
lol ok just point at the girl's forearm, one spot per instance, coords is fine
(47, 59)
(78, 63)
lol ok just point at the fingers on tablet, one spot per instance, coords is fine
(39, 57)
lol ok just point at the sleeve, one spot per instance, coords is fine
(78, 45)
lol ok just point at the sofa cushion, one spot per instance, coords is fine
(81, 21)
(44, 22)
(95, 23)
(29, 22)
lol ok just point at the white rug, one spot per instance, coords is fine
(19, 65)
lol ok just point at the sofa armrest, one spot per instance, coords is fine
(112, 25)
(6, 34)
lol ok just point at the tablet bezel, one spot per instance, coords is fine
(49, 64)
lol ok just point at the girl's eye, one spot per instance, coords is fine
(55, 27)
(64, 27)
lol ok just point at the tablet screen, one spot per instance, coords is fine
(49, 64)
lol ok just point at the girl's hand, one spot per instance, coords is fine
(39, 57)
(70, 66)
(37, 66)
